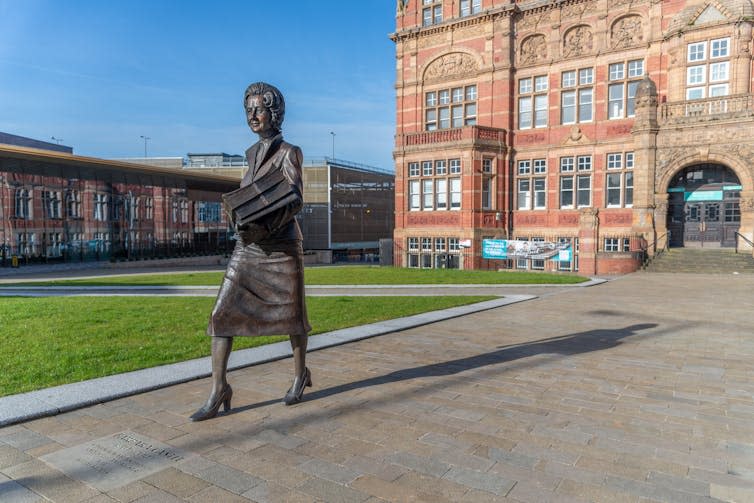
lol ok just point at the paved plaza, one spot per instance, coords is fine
(638, 389)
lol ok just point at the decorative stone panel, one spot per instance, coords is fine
(451, 66)
(626, 32)
(533, 49)
(578, 41)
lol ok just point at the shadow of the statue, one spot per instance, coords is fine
(551, 349)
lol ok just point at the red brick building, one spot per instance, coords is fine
(618, 126)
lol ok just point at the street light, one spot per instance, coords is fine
(333, 145)
(58, 140)
(145, 138)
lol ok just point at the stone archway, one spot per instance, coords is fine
(703, 207)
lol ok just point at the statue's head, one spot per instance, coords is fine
(271, 98)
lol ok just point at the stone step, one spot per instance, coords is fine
(715, 260)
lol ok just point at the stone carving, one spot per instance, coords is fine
(401, 7)
(577, 41)
(568, 218)
(626, 32)
(455, 64)
(533, 49)
(577, 9)
(575, 137)
(622, 3)
(743, 34)
(746, 204)
(530, 21)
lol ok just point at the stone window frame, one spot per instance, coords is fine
(533, 102)
(577, 86)
(703, 60)
(431, 12)
(619, 167)
(433, 189)
(441, 107)
(533, 178)
(469, 7)
(621, 76)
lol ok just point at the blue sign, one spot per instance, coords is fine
(495, 248)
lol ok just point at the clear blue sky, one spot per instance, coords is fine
(100, 74)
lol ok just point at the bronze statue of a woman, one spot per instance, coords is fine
(263, 289)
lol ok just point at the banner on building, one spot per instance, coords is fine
(515, 248)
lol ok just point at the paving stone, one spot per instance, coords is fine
(332, 492)
(419, 464)
(10, 456)
(12, 491)
(132, 491)
(228, 478)
(24, 439)
(492, 483)
(215, 495)
(329, 471)
(389, 491)
(176, 482)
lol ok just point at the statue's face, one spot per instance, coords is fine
(258, 116)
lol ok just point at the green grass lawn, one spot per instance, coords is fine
(342, 275)
(56, 340)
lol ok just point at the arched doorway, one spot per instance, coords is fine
(703, 206)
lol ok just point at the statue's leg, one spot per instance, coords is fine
(302, 377)
(298, 345)
(221, 347)
(221, 393)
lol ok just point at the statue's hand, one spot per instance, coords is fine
(252, 233)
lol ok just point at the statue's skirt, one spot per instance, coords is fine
(262, 292)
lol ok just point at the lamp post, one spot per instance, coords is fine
(57, 140)
(333, 145)
(145, 138)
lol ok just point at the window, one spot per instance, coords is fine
(455, 193)
(53, 205)
(524, 194)
(624, 79)
(708, 72)
(487, 165)
(413, 169)
(532, 193)
(619, 185)
(446, 108)
(100, 207)
(73, 204)
(576, 96)
(584, 191)
(428, 200)
(413, 195)
(434, 190)
(208, 211)
(617, 245)
(566, 192)
(441, 185)
(22, 200)
(432, 12)
(149, 209)
(441, 167)
(469, 7)
(584, 162)
(532, 102)
(566, 164)
(540, 166)
(488, 190)
(443, 255)
(455, 166)
(540, 194)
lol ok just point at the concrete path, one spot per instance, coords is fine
(639, 389)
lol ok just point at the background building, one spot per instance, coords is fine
(348, 209)
(616, 126)
(56, 206)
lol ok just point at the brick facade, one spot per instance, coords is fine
(569, 121)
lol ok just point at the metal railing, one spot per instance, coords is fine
(653, 245)
(739, 235)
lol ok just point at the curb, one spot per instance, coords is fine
(67, 397)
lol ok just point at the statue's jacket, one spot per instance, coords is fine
(262, 292)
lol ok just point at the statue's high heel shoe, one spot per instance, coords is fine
(296, 392)
(210, 409)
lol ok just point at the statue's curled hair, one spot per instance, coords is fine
(272, 99)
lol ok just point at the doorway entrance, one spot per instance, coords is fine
(704, 207)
